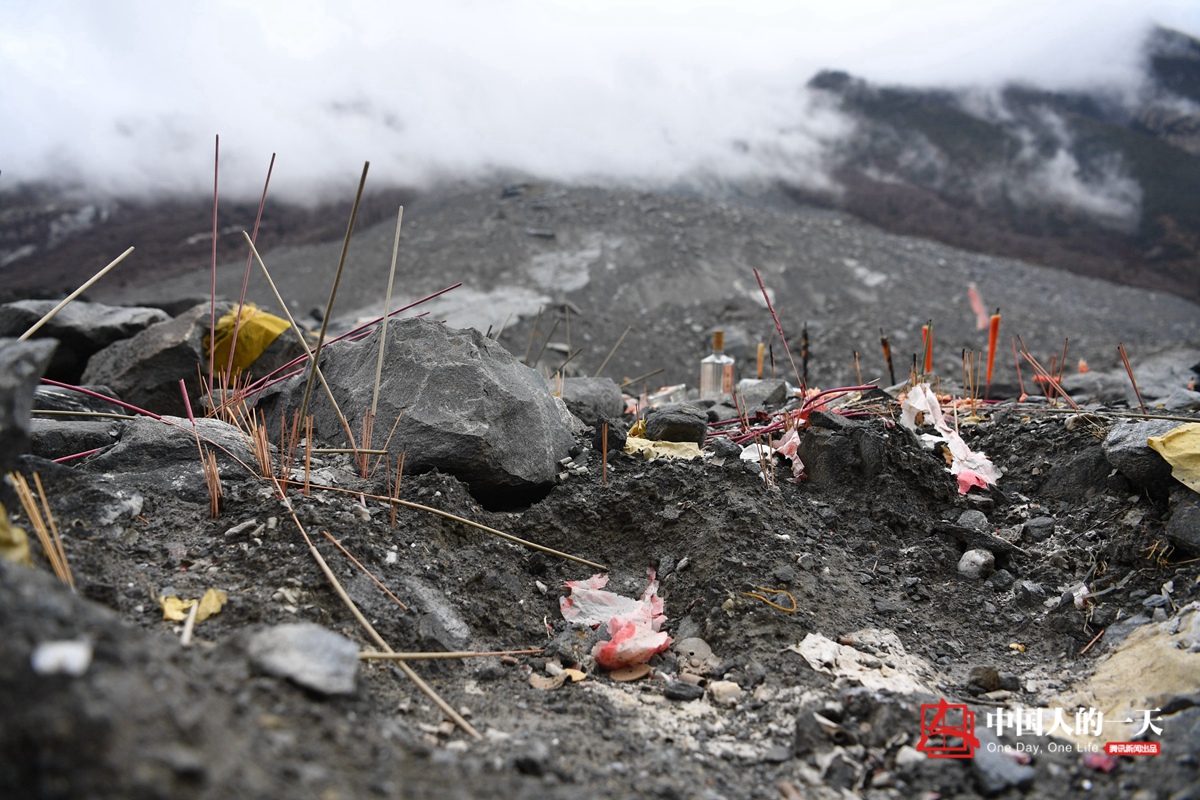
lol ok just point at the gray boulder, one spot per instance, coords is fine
(82, 329)
(21, 367)
(1183, 528)
(593, 400)
(764, 393)
(162, 455)
(465, 406)
(145, 370)
(677, 423)
(58, 438)
(55, 398)
(1126, 448)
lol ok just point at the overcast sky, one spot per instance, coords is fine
(129, 93)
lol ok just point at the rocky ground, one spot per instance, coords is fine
(820, 699)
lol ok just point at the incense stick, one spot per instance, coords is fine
(50, 314)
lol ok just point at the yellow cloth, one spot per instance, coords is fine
(1180, 446)
(255, 335)
(649, 449)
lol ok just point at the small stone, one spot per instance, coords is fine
(307, 654)
(683, 692)
(1002, 579)
(908, 756)
(1037, 529)
(784, 574)
(975, 520)
(725, 693)
(976, 563)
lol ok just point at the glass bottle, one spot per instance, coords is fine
(716, 370)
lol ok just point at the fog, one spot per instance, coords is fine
(127, 96)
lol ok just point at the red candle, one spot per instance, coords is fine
(993, 335)
(927, 343)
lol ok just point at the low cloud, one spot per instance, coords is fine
(126, 96)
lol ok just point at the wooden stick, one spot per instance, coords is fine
(532, 333)
(58, 545)
(650, 374)
(546, 342)
(604, 363)
(337, 278)
(778, 327)
(86, 285)
(387, 303)
(393, 656)
(303, 344)
(189, 625)
(212, 306)
(237, 324)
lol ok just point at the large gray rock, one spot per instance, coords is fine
(677, 423)
(82, 329)
(21, 367)
(1183, 528)
(56, 398)
(145, 370)
(312, 656)
(593, 400)
(1126, 448)
(58, 438)
(465, 405)
(162, 455)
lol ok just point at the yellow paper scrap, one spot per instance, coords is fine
(176, 609)
(649, 449)
(14, 544)
(256, 333)
(212, 602)
(1180, 446)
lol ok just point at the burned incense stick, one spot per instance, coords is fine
(1132, 379)
(303, 344)
(545, 342)
(1017, 361)
(237, 325)
(782, 338)
(857, 370)
(762, 352)
(366, 656)
(365, 571)
(212, 300)
(337, 278)
(650, 374)
(532, 333)
(387, 304)
(604, 363)
(887, 356)
(604, 455)
(63, 304)
(804, 354)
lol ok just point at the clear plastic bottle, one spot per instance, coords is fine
(716, 370)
